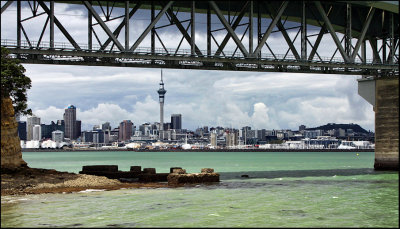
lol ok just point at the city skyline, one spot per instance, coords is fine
(204, 98)
(246, 110)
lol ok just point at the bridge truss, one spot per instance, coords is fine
(213, 35)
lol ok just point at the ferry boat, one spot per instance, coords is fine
(356, 145)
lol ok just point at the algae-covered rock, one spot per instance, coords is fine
(207, 170)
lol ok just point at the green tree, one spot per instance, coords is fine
(14, 83)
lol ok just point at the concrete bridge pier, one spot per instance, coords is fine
(383, 94)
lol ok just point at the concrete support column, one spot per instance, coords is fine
(387, 124)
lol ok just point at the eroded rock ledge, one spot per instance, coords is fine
(179, 176)
(11, 154)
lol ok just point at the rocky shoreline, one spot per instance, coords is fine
(25, 180)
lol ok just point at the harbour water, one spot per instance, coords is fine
(284, 189)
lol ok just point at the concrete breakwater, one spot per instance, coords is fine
(176, 176)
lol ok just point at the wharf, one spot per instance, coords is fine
(198, 150)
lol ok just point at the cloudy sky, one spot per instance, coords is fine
(204, 98)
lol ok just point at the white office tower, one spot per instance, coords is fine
(213, 139)
(37, 133)
(30, 123)
(57, 136)
(161, 94)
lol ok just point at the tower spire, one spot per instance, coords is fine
(161, 94)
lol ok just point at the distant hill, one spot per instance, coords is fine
(330, 126)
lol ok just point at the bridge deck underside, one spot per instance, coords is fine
(186, 61)
(214, 35)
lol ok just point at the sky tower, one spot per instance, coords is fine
(161, 93)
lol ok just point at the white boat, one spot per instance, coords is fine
(356, 145)
(347, 145)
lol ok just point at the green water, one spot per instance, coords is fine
(285, 189)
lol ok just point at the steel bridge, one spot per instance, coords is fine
(214, 35)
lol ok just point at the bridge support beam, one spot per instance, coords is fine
(387, 124)
(383, 94)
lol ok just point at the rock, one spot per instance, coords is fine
(207, 170)
(171, 170)
(176, 179)
(11, 154)
(179, 171)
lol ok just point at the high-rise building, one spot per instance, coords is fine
(213, 139)
(37, 133)
(125, 130)
(94, 136)
(48, 129)
(22, 130)
(30, 123)
(106, 126)
(176, 121)
(78, 130)
(70, 122)
(161, 94)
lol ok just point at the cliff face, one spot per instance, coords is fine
(11, 155)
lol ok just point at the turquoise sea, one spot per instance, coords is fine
(284, 189)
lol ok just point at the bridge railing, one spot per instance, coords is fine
(63, 46)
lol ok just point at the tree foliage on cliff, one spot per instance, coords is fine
(14, 83)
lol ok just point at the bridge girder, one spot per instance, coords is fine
(363, 29)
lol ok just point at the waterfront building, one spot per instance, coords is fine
(94, 136)
(176, 121)
(48, 129)
(260, 134)
(37, 133)
(213, 139)
(60, 125)
(57, 136)
(231, 139)
(30, 123)
(167, 126)
(167, 134)
(125, 130)
(321, 142)
(145, 129)
(22, 130)
(199, 132)
(161, 96)
(245, 133)
(312, 133)
(341, 133)
(70, 122)
(106, 126)
(113, 136)
(78, 130)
